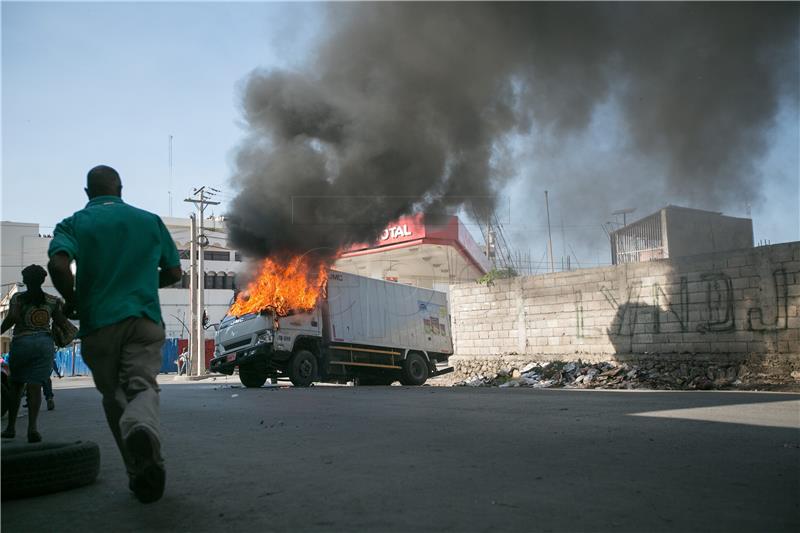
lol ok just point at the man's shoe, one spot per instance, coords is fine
(50, 404)
(148, 481)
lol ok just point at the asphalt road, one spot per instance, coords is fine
(440, 459)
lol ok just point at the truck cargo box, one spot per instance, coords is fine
(374, 312)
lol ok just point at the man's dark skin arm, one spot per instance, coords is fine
(64, 281)
(9, 321)
(168, 276)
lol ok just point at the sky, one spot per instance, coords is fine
(108, 83)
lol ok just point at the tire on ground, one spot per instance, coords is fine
(303, 368)
(251, 375)
(415, 370)
(48, 467)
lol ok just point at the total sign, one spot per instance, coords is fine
(396, 232)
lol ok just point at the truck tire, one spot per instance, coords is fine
(415, 370)
(303, 368)
(48, 467)
(252, 376)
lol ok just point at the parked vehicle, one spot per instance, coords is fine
(361, 328)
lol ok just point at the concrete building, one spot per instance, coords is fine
(21, 244)
(223, 267)
(674, 231)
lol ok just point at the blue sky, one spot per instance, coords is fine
(91, 83)
(94, 83)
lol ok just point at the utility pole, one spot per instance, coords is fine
(564, 243)
(169, 186)
(192, 295)
(549, 234)
(488, 238)
(201, 200)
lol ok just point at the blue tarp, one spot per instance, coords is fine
(64, 362)
(63, 359)
(169, 356)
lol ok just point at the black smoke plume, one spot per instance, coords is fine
(409, 106)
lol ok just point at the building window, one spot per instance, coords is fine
(185, 280)
(216, 256)
(237, 256)
(212, 280)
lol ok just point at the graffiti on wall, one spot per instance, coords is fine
(755, 315)
(719, 303)
(677, 307)
(715, 306)
(627, 313)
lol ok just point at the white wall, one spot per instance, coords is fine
(20, 246)
(175, 309)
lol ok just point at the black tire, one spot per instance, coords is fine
(303, 368)
(48, 467)
(415, 370)
(6, 399)
(251, 376)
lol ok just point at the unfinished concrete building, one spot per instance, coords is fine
(676, 231)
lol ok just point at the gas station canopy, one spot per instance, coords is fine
(423, 254)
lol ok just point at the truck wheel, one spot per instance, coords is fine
(303, 368)
(415, 370)
(251, 376)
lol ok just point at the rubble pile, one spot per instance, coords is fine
(612, 375)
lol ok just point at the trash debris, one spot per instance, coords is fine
(611, 375)
(234, 395)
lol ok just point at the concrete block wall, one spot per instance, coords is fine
(723, 308)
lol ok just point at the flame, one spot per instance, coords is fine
(282, 288)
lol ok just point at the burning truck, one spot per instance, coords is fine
(332, 326)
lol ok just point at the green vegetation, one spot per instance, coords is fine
(489, 278)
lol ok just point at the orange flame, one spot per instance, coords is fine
(282, 288)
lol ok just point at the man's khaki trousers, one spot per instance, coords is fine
(125, 359)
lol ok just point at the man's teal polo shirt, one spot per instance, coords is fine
(118, 250)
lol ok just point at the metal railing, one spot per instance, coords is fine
(640, 241)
